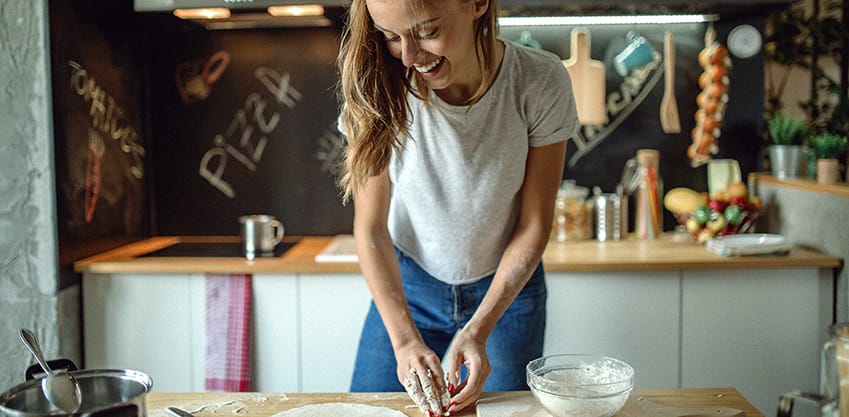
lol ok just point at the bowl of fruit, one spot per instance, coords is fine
(727, 212)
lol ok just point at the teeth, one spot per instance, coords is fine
(428, 67)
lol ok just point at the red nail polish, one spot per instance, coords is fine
(451, 388)
(452, 404)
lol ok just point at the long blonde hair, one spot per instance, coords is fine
(375, 87)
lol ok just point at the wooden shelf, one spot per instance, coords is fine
(839, 189)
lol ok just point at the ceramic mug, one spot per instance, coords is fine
(260, 234)
(639, 52)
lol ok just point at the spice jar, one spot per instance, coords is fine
(648, 211)
(573, 214)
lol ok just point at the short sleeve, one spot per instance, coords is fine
(552, 116)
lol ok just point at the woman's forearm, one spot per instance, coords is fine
(378, 262)
(379, 265)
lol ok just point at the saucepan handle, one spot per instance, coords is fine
(55, 364)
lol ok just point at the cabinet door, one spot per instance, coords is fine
(143, 322)
(632, 316)
(758, 330)
(333, 309)
(276, 367)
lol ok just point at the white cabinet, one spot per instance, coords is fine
(333, 309)
(276, 364)
(758, 330)
(156, 324)
(632, 316)
(145, 322)
(305, 328)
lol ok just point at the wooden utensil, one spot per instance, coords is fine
(669, 118)
(588, 81)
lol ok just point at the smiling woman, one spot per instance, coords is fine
(456, 143)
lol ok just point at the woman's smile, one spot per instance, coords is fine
(430, 67)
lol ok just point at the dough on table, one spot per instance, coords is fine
(340, 409)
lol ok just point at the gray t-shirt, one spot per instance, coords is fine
(455, 181)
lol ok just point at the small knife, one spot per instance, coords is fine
(178, 412)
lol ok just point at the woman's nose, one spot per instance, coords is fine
(409, 52)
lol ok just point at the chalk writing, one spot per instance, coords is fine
(331, 151)
(93, 177)
(278, 85)
(108, 117)
(246, 137)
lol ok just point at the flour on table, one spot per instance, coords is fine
(340, 409)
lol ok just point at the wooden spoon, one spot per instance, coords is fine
(669, 119)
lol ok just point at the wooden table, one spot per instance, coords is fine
(267, 404)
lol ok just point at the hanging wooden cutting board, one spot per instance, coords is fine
(588, 81)
(523, 404)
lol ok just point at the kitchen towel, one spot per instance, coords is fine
(228, 333)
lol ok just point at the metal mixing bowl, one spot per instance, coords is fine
(580, 385)
(100, 389)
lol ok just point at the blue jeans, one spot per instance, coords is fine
(439, 310)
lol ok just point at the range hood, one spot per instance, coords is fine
(236, 5)
(510, 6)
(252, 13)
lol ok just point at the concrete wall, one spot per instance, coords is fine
(813, 219)
(29, 285)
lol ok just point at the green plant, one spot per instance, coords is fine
(785, 130)
(828, 145)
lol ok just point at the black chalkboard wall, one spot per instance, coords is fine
(260, 137)
(100, 144)
(244, 122)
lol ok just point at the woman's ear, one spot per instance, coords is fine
(481, 6)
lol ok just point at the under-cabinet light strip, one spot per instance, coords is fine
(606, 20)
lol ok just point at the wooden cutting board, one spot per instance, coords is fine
(523, 404)
(588, 81)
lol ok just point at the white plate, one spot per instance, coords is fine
(748, 244)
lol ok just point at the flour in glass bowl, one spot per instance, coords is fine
(598, 388)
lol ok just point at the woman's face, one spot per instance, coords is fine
(436, 39)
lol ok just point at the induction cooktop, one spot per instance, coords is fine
(214, 250)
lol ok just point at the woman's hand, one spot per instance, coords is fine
(468, 350)
(420, 371)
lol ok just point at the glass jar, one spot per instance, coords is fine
(648, 213)
(573, 214)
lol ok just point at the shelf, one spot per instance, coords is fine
(840, 189)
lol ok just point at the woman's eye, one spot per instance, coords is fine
(427, 34)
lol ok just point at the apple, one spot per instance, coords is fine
(737, 201)
(717, 205)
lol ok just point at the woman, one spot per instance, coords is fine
(456, 143)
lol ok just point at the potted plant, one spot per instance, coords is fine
(785, 154)
(827, 147)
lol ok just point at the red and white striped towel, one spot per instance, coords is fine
(228, 333)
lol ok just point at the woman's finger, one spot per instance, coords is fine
(414, 389)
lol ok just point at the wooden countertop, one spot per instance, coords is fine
(268, 404)
(669, 253)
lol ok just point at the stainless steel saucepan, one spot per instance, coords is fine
(104, 392)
